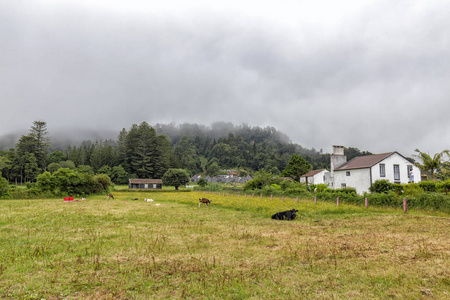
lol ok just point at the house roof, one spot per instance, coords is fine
(145, 181)
(366, 161)
(313, 172)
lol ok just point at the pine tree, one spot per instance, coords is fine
(143, 157)
(40, 133)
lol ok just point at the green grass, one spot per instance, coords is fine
(170, 248)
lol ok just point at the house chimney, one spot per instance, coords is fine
(337, 158)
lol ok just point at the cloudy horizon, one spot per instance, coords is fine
(367, 74)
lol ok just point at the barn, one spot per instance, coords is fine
(145, 184)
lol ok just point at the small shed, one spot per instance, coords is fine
(145, 184)
(314, 177)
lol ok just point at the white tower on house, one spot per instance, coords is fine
(337, 159)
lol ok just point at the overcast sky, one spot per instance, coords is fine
(368, 74)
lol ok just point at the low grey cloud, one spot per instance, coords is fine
(376, 79)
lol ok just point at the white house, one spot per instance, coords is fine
(361, 172)
(314, 176)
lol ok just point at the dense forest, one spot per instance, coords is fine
(143, 151)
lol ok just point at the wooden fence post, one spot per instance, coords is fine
(337, 201)
(405, 205)
(366, 202)
(271, 197)
(261, 195)
(283, 198)
(297, 199)
(315, 199)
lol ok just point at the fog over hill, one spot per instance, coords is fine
(61, 138)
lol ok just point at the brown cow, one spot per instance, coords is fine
(203, 200)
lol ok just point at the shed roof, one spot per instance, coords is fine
(366, 161)
(145, 181)
(313, 172)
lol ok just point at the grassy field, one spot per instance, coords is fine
(171, 248)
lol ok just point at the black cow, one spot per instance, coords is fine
(285, 215)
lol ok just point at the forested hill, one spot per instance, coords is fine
(144, 151)
(221, 129)
(226, 145)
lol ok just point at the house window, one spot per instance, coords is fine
(397, 172)
(382, 170)
(343, 185)
(347, 173)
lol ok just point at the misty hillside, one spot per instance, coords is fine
(144, 151)
(60, 140)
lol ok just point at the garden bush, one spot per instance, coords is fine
(389, 198)
(412, 189)
(345, 195)
(428, 186)
(443, 186)
(434, 201)
(381, 186)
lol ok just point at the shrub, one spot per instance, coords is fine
(298, 191)
(214, 187)
(398, 188)
(260, 180)
(273, 189)
(202, 182)
(428, 186)
(436, 201)
(101, 183)
(443, 186)
(389, 198)
(275, 186)
(412, 189)
(381, 186)
(3, 186)
(45, 182)
(318, 188)
(285, 184)
(346, 195)
(69, 182)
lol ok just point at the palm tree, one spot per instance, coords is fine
(429, 163)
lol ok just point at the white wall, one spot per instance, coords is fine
(318, 178)
(358, 179)
(395, 159)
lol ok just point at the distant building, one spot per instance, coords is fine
(362, 171)
(144, 184)
(223, 178)
(315, 177)
(196, 178)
